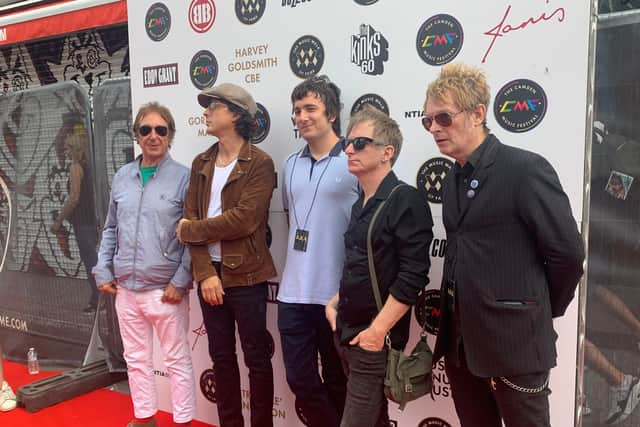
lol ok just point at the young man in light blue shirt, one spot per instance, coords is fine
(317, 192)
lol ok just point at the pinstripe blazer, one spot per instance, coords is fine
(516, 256)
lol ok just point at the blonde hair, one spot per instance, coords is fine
(463, 84)
(77, 141)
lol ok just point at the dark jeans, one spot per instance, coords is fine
(246, 306)
(366, 404)
(305, 332)
(479, 404)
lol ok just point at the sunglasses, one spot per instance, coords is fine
(215, 104)
(444, 119)
(358, 142)
(160, 130)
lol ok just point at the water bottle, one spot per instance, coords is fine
(32, 361)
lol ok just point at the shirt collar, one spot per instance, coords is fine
(335, 151)
(474, 157)
(136, 171)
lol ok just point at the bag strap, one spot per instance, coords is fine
(372, 269)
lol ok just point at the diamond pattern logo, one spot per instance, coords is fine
(431, 175)
(306, 57)
(250, 11)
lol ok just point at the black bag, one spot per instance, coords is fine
(407, 377)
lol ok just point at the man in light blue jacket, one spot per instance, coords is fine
(142, 261)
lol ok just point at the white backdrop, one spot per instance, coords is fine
(543, 41)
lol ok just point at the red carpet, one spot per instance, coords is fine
(100, 408)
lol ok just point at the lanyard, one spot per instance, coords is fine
(315, 193)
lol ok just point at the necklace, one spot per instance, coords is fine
(223, 164)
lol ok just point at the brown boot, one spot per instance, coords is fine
(150, 423)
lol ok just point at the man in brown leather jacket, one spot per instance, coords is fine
(226, 212)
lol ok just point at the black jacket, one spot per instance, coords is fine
(400, 239)
(516, 256)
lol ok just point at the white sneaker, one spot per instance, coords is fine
(7, 398)
(623, 399)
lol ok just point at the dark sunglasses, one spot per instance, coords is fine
(160, 130)
(444, 119)
(358, 142)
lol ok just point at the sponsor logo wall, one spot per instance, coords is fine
(383, 53)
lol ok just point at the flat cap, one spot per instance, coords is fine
(230, 93)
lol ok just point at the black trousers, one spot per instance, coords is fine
(245, 306)
(487, 401)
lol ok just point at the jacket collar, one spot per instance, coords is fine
(136, 170)
(212, 152)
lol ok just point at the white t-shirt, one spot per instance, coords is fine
(220, 177)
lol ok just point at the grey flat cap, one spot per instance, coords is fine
(230, 93)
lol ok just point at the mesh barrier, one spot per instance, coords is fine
(113, 148)
(45, 90)
(45, 285)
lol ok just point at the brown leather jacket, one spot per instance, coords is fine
(241, 228)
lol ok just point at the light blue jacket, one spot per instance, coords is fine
(139, 246)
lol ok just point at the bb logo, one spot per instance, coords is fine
(427, 310)
(370, 98)
(202, 14)
(208, 385)
(306, 56)
(250, 11)
(203, 69)
(430, 177)
(299, 413)
(264, 124)
(366, 2)
(439, 39)
(433, 422)
(369, 50)
(520, 105)
(157, 22)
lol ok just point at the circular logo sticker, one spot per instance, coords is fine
(208, 385)
(520, 105)
(439, 39)
(203, 69)
(250, 11)
(370, 98)
(366, 2)
(264, 124)
(431, 176)
(427, 310)
(202, 14)
(433, 422)
(306, 56)
(157, 22)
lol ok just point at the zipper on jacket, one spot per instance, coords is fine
(135, 251)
